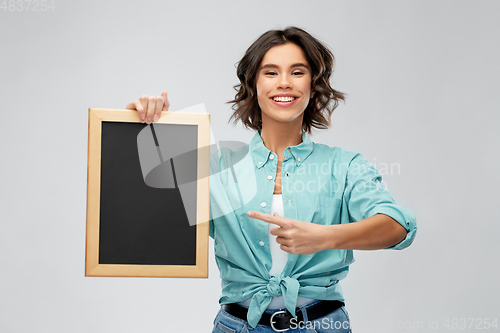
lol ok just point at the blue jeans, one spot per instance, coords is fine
(336, 321)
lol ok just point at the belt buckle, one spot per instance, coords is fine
(272, 322)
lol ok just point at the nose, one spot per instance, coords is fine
(284, 82)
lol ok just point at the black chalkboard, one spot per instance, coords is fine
(136, 227)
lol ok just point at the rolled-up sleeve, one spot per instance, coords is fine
(366, 196)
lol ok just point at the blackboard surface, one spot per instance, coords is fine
(140, 224)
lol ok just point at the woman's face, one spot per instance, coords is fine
(284, 84)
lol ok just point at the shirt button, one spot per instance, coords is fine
(269, 177)
(260, 162)
(261, 243)
(263, 204)
(272, 156)
(298, 159)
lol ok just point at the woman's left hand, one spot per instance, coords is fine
(294, 236)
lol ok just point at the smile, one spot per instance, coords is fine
(283, 100)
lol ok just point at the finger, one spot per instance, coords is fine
(159, 105)
(277, 231)
(265, 217)
(283, 241)
(286, 248)
(140, 109)
(166, 103)
(151, 109)
(131, 106)
(144, 101)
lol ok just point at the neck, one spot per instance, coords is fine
(278, 137)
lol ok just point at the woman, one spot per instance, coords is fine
(287, 238)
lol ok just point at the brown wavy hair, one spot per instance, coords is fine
(325, 100)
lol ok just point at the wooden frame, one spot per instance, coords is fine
(92, 265)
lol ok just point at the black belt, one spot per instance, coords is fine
(280, 320)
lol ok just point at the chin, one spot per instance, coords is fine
(284, 119)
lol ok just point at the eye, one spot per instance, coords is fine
(297, 73)
(270, 73)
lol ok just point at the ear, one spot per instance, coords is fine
(312, 93)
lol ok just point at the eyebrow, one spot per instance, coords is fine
(299, 64)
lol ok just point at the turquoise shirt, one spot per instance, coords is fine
(320, 184)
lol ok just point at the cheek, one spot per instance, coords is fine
(307, 88)
(261, 93)
(261, 87)
(259, 90)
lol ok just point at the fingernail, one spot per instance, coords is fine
(156, 117)
(250, 214)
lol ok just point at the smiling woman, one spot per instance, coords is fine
(284, 84)
(277, 55)
(291, 216)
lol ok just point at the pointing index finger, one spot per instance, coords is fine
(266, 217)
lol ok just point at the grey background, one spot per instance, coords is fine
(423, 93)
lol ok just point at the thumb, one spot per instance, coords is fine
(166, 103)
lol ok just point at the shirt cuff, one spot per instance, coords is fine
(403, 216)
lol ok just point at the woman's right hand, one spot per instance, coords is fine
(149, 108)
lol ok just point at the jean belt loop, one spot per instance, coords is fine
(304, 312)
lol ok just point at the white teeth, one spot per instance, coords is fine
(283, 99)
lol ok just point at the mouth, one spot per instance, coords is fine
(283, 100)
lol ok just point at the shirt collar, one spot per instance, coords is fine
(260, 153)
